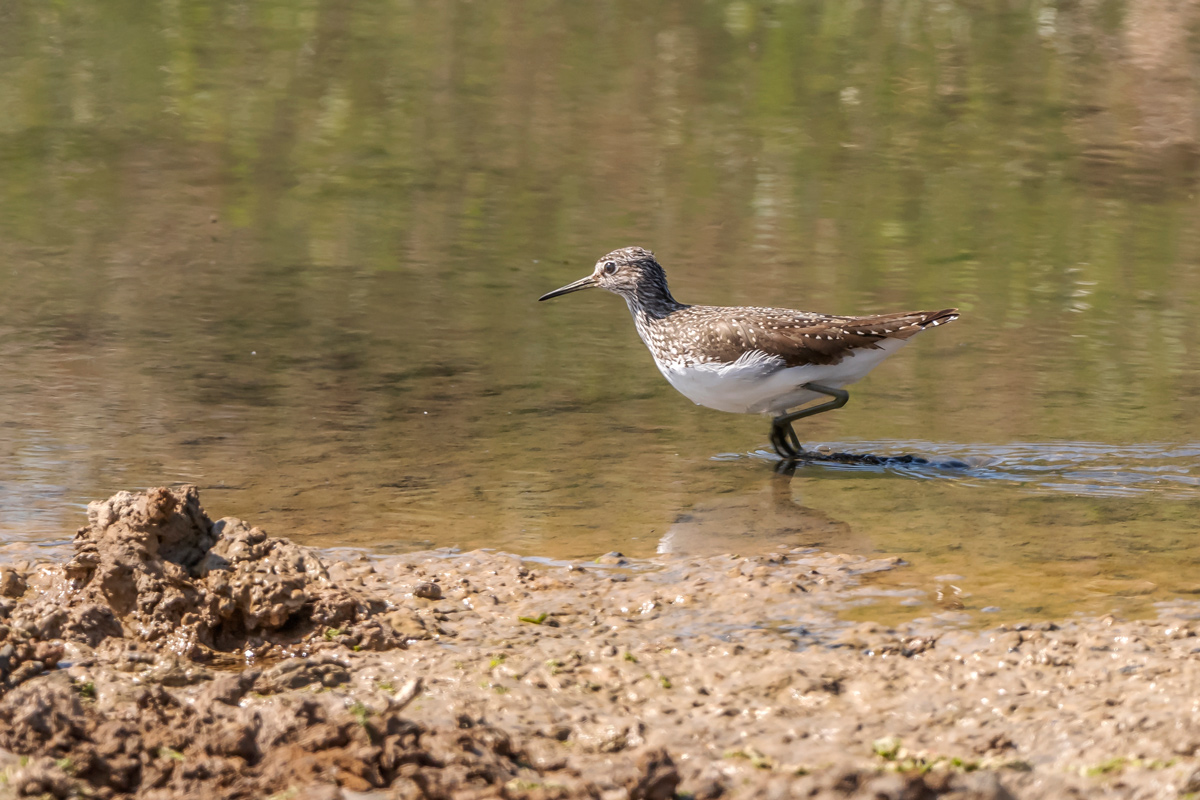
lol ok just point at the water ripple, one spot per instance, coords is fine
(1078, 468)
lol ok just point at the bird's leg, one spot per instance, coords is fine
(783, 435)
(779, 440)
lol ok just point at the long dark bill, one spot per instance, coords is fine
(583, 283)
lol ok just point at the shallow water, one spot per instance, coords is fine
(291, 252)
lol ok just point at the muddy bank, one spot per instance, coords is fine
(174, 656)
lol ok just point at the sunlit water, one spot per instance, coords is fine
(291, 252)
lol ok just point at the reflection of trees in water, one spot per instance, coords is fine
(1158, 45)
(1135, 117)
(1022, 160)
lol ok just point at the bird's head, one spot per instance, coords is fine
(628, 272)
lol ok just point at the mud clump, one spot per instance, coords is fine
(152, 567)
(21, 659)
(153, 743)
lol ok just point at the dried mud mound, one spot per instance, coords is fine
(107, 690)
(152, 567)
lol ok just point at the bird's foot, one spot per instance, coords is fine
(785, 441)
(783, 435)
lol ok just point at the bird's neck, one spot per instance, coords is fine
(652, 302)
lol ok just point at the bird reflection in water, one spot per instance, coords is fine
(753, 523)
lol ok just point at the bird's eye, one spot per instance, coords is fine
(610, 267)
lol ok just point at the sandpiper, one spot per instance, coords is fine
(752, 360)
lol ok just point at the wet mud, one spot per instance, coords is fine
(174, 656)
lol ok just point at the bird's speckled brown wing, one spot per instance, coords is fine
(799, 338)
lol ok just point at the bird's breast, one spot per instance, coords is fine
(758, 383)
(740, 387)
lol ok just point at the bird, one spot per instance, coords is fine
(749, 360)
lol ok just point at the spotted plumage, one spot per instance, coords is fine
(745, 359)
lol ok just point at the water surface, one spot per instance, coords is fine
(290, 252)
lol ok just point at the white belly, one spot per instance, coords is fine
(758, 384)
